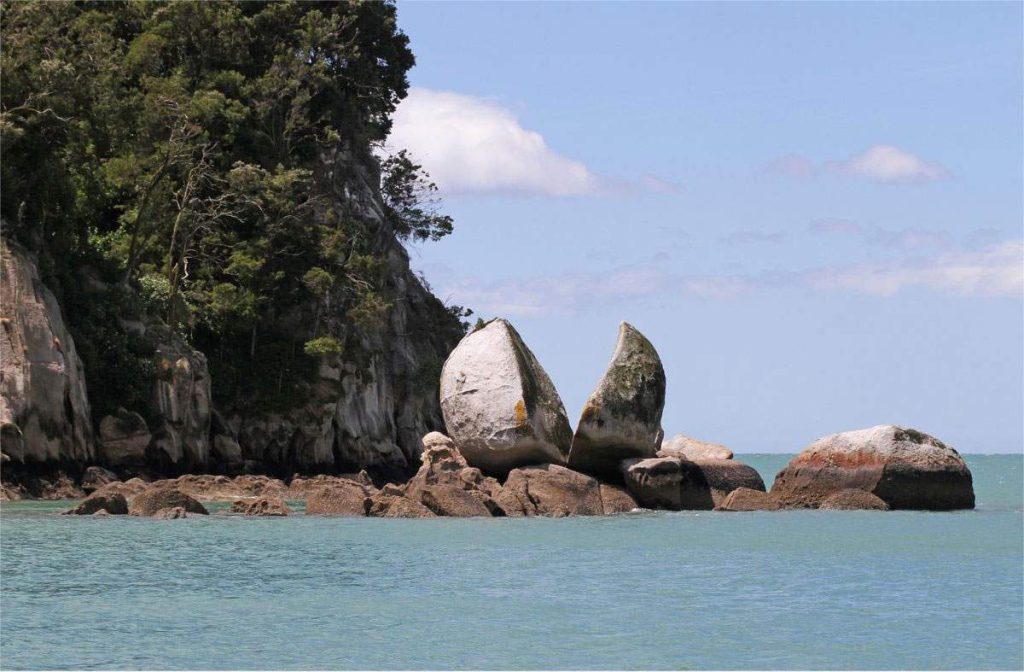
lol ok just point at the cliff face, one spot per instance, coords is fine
(361, 414)
(44, 407)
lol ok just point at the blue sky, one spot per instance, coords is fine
(814, 211)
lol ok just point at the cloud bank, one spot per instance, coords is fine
(470, 144)
(880, 163)
(996, 271)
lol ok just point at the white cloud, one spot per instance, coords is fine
(881, 163)
(885, 163)
(470, 144)
(996, 271)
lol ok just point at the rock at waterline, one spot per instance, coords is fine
(905, 468)
(171, 513)
(677, 484)
(550, 490)
(114, 504)
(443, 470)
(696, 450)
(499, 406)
(95, 478)
(261, 506)
(151, 501)
(340, 498)
(622, 418)
(616, 500)
(853, 500)
(748, 499)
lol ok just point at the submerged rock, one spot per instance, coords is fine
(696, 450)
(853, 500)
(622, 417)
(748, 499)
(261, 506)
(677, 484)
(152, 500)
(905, 468)
(114, 504)
(499, 406)
(550, 490)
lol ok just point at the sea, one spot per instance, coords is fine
(652, 590)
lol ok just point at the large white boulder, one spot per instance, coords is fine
(622, 418)
(500, 408)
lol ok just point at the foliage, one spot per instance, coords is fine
(181, 146)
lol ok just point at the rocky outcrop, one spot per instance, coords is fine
(622, 417)
(261, 506)
(344, 498)
(747, 499)
(499, 406)
(450, 500)
(171, 513)
(129, 488)
(692, 449)
(905, 468)
(443, 469)
(853, 500)
(114, 504)
(550, 490)
(392, 504)
(212, 488)
(44, 407)
(152, 500)
(616, 500)
(95, 478)
(124, 438)
(676, 484)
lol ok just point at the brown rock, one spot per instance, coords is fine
(449, 500)
(211, 488)
(171, 513)
(129, 488)
(616, 500)
(261, 506)
(905, 468)
(95, 478)
(302, 487)
(114, 504)
(383, 505)
(124, 438)
(341, 498)
(150, 501)
(851, 500)
(550, 490)
(747, 499)
(677, 484)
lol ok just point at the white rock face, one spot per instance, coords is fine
(622, 418)
(689, 448)
(44, 409)
(499, 405)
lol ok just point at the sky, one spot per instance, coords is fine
(813, 211)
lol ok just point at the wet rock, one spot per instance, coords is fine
(550, 490)
(387, 505)
(301, 487)
(500, 407)
(905, 468)
(261, 506)
(152, 500)
(129, 488)
(449, 500)
(220, 488)
(748, 499)
(56, 486)
(342, 498)
(852, 500)
(616, 500)
(622, 417)
(124, 438)
(443, 466)
(95, 478)
(692, 449)
(114, 504)
(11, 492)
(44, 408)
(676, 484)
(171, 513)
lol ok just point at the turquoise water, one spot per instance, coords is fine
(805, 589)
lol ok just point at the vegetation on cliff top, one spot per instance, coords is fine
(180, 150)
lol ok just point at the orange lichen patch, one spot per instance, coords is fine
(851, 460)
(520, 413)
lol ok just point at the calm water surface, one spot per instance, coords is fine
(803, 589)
